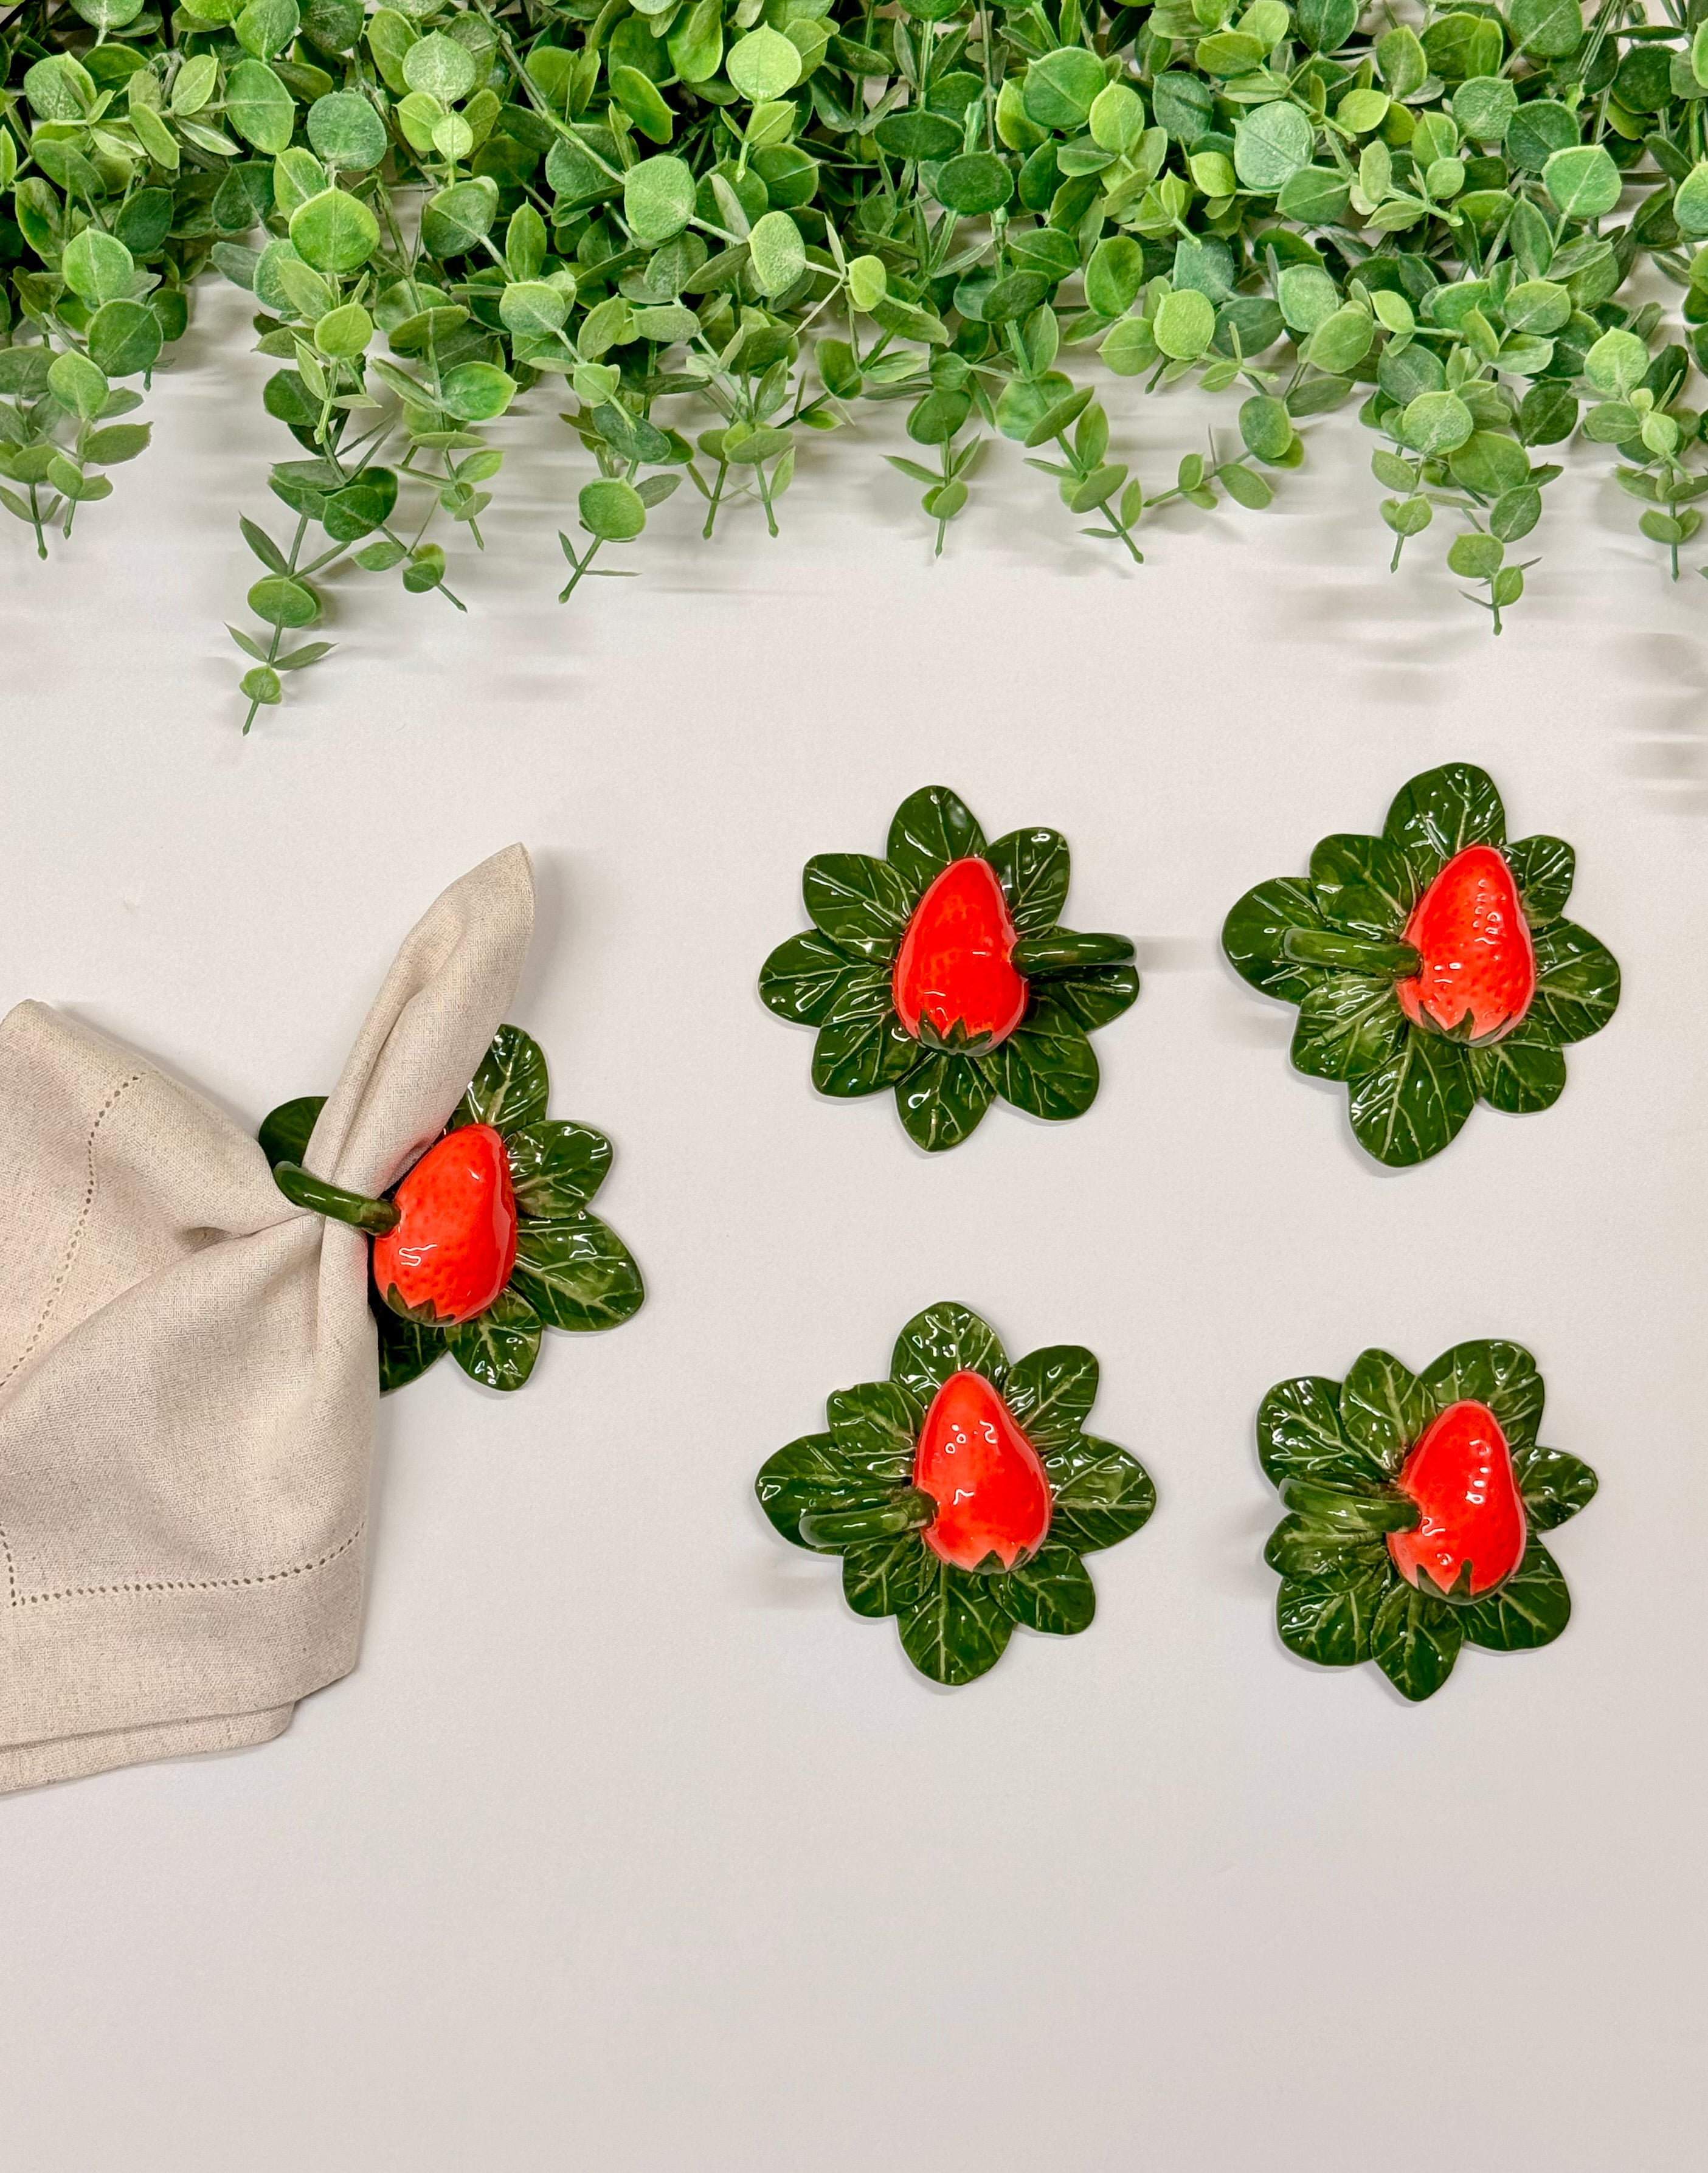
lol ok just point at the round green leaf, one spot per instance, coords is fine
(1185, 324)
(459, 219)
(577, 1274)
(777, 252)
(1584, 182)
(658, 199)
(1061, 87)
(344, 333)
(476, 391)
(764, 64)
(1270, 145)
(346, 131)
(124, 337)
(917, 135)
(258, 106)
(97, 268)
(611, 509)
(335, 232)
(974, 184)
(533, 309)
(440, 67)
(281, 600)
(1435, 423)
(79, 386)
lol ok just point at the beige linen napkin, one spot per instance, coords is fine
(187, 1366)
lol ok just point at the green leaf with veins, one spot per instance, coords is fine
(511, 1087)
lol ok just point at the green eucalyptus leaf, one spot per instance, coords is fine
(259, 107)
(576, 1273)
(511, 1087)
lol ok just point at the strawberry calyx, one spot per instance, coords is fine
(1476, 972)
(955, 984)
(1472, 1528)
(991, 1497)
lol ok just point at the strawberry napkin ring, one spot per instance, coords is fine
(942, 971)
(1414, 1507)
(487, 1240)
(962, 1492)
(1431, 966)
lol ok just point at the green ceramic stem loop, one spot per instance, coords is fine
(1061, 951)
(1365, 1513)
(1355, 954)
(837, 1528)
(375, 1216)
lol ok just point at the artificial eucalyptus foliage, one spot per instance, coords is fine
(702, 227)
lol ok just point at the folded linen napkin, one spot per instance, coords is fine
(187, 1367)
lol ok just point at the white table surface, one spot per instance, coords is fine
(642, 1853)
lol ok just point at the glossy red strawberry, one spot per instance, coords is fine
(955, 967)
(1460, 1476)
(1469, 929)
(983, 1474)
(455, 1242)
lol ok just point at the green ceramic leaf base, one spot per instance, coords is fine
(841, 978)
(572, 1270)
(851, 1492)
(1338, 944)
(1336, 1451)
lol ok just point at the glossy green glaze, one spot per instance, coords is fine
(871, 1488)
(572, 1270)
(1343, 1455)
(950, 1059)
(1342, 945)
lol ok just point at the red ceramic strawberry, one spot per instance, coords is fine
(954, 974)
(454, 1244)
(943, 971)
(487, 1241)
(1478, 965)
(1460, 1476)
(984, 1475)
